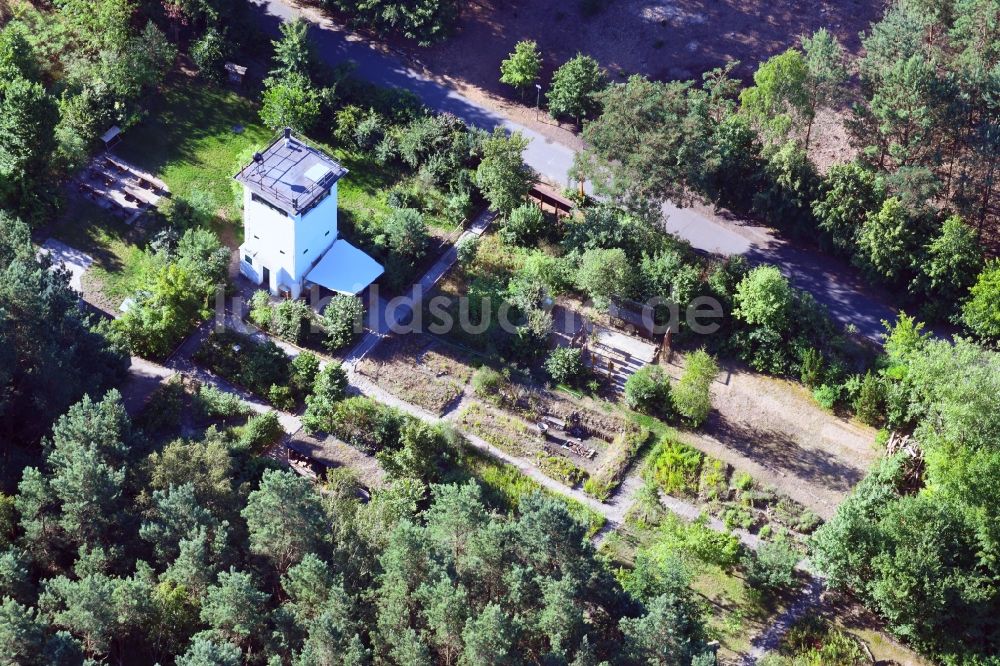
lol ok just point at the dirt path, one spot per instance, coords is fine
(809, 597)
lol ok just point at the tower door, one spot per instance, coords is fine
(265, 274)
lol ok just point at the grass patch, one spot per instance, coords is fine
(120, 263)
(189, 141)
(361, 194)
(732, 612)
(506, 485)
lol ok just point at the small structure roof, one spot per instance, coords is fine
(282, 173)
(345, 269)
(111, 134)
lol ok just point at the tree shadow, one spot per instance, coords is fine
(778, 451)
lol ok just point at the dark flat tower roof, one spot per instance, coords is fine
(290, 173)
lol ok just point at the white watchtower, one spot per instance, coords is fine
(290, 223)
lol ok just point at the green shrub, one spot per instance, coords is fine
(712, 484)
(369, 131)
(209, 54)
(565, 365)
(281, 397)
(648, 390)
(827, 396)
(328, 389)
(807, 523)
(215, 403)
(8, 521)
(260, 432)
(400, 197)
(692, 396)
(813, 641)
(765, 298)
(488, 384)
(366, 424)
(771, 568)
(304, 368)
(405, 235)
(869, 405)
(676, 467)
(597, 488)
(606, 274)
(466, 250)
(290, 320)
(345, 123)
(743, 481)
(709, 546)
(343, 319)
(737, 516)
(524, 226)
(260, 309)
(458, 207)
(812, 367)
(981, 312)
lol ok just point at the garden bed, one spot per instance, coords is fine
(506, 486)
(186, 407)
(733, 611)
(420, 370)
(512, 435)
(732, 496)
(261, 368)
(508, 433)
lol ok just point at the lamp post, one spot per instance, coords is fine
(538, 99)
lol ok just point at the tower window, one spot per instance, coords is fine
(247, 258)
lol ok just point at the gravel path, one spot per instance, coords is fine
(421, 288)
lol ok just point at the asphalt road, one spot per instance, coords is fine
(832, 282)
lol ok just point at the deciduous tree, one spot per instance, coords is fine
(574, 88)
(520, 69)
(502, 176)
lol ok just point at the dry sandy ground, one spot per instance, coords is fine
(774, 430)
(661, 39)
